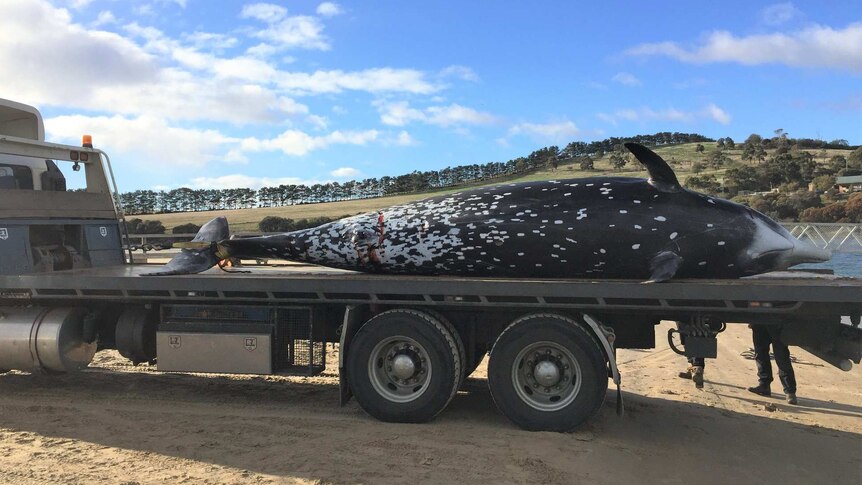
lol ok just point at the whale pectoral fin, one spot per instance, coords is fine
(664, 266)
(661, 176)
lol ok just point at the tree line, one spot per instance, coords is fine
(190, 200)
(788, 184)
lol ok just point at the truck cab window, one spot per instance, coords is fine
(15, 177)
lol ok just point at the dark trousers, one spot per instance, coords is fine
(764, 336)
(697, 361)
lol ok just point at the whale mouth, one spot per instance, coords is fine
(803, 252)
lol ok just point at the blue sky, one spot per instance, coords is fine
(231, 93)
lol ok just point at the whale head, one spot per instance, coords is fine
(774, 248)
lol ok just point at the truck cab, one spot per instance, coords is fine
(44, 226)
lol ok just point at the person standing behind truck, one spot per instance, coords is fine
(764, 336)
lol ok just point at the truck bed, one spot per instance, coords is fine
(775, 293)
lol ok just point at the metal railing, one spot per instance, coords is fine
(833, 236)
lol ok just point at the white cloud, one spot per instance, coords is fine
(265, 12)
(405, 139)
(146, 72)
(626, 78)
(298, 143)
(717, 114)
(211, 40)
(329, 9)
(233, 181)
(296, 32)
(345, 173)
(144, 139)
(319, 122)
(779, 13)
(79, 4)
(558, 132)
(105, 17)
(400, 113)
(376, 80)
(711, 112)
(460, 72)
(816, 46)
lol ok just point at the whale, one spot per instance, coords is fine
(651, 230)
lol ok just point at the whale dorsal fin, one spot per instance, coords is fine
(661, 176)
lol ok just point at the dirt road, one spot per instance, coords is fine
(118, 424)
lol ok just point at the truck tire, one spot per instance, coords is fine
(404, 366)
(547, 373)
(459, 342)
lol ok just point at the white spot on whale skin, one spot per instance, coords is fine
(702, 263)
(590, 185)
(520, 254)
(567, 194)
(636, 201)
(636, 246)
(558, 222)
(710, 201)
(673, 235)
(602, 250)
(709, 225)
(606, 183)
(638, 227)
(623, 211)
(538, 265)
(520, 234)
(721, 243)
(660, 218)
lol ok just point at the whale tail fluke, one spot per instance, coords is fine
(201, 253)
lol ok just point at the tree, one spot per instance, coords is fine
(729, 143)
(188, 228)
(753, 151)
(754, 139)
(717, 158)
(618, 161)
(854, 160)
(587, 163)
(704, 183)
(720, 143)
(699, 148)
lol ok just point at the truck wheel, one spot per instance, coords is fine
(547, 373)
(459, 342)
(404, 366)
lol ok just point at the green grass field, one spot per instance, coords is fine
(681, 158)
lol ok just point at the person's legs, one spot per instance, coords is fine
(761, 340)
(785, 367)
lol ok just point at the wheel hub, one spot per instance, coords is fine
(547, 373)
(403, 367)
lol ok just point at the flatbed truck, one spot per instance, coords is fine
(68, 289)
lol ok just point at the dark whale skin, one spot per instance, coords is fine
(600, 227)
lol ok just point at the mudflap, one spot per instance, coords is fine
(353, 319)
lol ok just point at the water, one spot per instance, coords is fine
(844, 264)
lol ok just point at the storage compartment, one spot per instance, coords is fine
(239, 339)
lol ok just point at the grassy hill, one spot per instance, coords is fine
(681, 158)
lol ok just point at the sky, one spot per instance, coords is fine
(220, 94)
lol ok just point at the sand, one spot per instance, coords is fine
(119, 424)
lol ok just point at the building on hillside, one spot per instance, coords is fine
(849, 184)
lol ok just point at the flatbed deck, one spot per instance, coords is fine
(777, 293)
